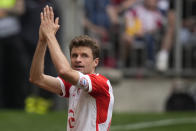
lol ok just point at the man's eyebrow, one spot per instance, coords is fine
(74, 54)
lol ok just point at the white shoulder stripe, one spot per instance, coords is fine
(90, 84)
(62, 86)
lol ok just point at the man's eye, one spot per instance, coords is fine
(74, 55)
(84, 55)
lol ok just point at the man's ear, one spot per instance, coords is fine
(96, 62)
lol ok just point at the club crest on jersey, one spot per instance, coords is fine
(83, 82)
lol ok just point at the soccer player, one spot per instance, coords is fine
(90, 94)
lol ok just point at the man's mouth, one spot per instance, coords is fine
(78, 67)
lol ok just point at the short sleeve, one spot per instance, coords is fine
(65, 86)
(99, 86)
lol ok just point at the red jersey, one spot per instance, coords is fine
(89, 110)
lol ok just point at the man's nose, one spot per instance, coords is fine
(78, 59)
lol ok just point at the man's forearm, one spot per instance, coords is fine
(58, 58)
(60, 61)
(37, 67)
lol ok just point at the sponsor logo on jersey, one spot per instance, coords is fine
(83, 82)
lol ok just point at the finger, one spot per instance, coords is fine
(57, 28)
(44, 13)
(41, 16)
(57, 21)
(47, 12)
(51, 14)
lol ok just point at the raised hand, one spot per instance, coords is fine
(48, 26)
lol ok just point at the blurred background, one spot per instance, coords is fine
(148, 51)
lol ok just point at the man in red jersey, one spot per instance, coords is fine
(90, 94)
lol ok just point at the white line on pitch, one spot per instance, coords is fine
(153, 124)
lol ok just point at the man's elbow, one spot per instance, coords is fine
(30, 80)
(34, 80)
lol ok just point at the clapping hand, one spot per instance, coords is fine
(49, 26)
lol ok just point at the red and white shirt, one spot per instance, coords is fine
(89, 110)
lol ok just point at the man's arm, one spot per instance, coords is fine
(49, 28)
(37, 75)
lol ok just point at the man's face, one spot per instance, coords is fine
(82, 60)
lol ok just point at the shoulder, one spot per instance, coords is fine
(99, 84)
(98, 77)
(98, 80)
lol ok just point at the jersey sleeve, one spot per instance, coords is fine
(98, 86)
(65, 86)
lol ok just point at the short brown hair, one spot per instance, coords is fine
(84, 40)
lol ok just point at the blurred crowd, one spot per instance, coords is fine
(125, 26)
(130, 33)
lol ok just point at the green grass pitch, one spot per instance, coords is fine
(14, 120)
